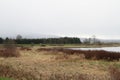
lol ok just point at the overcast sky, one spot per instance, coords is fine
(82, 18)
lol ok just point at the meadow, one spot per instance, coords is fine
(38, 63)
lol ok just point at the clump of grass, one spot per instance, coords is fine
(114, 73)
(25, 48)
(10, 72)
(63, 76)
(62, 57)
(9, 50)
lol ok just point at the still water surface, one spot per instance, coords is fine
(113, 49)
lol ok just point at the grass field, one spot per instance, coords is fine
(73, 45)
(54, 65)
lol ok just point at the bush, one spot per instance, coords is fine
(104, 55)
(10, 49)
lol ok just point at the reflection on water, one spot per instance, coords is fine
(113, 49)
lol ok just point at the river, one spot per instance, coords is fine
(113, 49)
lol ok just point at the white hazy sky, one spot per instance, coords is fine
(82, 18)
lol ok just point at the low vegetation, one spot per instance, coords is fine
(36, 63)
(90, 54)
(114, 73)
(9, 49)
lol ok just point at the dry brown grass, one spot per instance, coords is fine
(53, 65)
(114, 73)
(25, 48)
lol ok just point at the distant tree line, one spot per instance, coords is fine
(1, 40)
(63, 40)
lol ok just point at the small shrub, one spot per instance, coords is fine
(10, 49)
(42, 45)
(62, 57)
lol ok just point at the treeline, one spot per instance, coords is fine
(63, 40)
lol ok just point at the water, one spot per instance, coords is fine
(113, 49)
